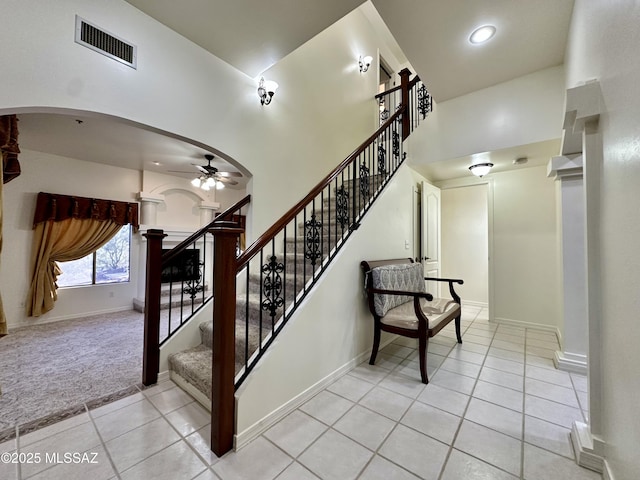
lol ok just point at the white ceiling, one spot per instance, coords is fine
(253, 35)
(110, 141)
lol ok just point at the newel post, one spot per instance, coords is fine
(151, 355)
(404, 86)
(224, 337)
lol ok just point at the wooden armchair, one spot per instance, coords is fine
(400, 304)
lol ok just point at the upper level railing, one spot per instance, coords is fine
(180, 283)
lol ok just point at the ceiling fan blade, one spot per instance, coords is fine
(180, 171)
(227, 181)
(230, 174)
(202, 169)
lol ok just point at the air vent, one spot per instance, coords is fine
(102, 42)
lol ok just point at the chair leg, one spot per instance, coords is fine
(458, 328)
(423, 341)
(376, 343)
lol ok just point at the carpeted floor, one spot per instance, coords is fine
(51, 371)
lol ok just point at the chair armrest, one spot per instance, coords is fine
(428, 296)
(451, 281)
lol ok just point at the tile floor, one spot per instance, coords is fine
(495, 409)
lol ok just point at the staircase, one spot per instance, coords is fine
(276, 272)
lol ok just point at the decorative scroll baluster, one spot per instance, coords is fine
(312, 249)
(342, 207)
(382, 159)
(424, 101)
(194, 282)
(272, 286)
(395, 140)
(364, 181)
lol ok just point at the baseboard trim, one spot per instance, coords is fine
(537, 326)
(564, 361)
(164, 376)
(472, 303)
(70, 317)
(244, 437)
(583, 446)
(606, 474)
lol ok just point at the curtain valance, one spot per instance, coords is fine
(9, 147)
(54, 207)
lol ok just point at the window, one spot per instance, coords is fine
(108, 264)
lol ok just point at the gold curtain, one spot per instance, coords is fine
(63, 241)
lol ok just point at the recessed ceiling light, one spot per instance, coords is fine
(482, 34)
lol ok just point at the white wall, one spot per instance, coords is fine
(525, 248)
(465, 240)
(603, 45)
(332, 326)
(525, 110)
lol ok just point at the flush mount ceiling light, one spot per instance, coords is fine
(364, 63)
(266, 90)
(480, 169)
(482, 34)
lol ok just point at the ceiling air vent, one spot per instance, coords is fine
(102, 42)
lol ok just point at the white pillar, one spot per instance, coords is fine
(567, 171)
(207, 210)
(149, 207)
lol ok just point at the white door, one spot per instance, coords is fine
(431, 235)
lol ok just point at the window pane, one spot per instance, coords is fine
(112, 260)
(77, 272)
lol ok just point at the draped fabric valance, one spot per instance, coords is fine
(53, 207)
(9, 147)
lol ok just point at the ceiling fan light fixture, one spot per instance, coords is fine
(480, 169)
(219, 185)
(482, 34)
(196, 182)
(211, 182)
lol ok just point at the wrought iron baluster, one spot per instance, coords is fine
(272, 288)
(364, 181)
(424, 101)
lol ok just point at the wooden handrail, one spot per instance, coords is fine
(170, 255)
(266, 237)
(388, 92)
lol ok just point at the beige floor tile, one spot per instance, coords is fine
(51, 430)
(549, 436)
(495, 417)
(125, 419)
(171, 399)
(406, 447)
(462, 368)
(93, 464)
(459, 353)
(556, 377)
(176, 461)
(542, 465)
(461, 466)
(497, 449)
(556, 393)
(365, 427)
(504, 379)
(453, 381)
(505, 345)
(550, 345)
(504, 365)
(397, 350)
(444, 399)
(468, 337)
(190, 418)
(505, 337)
(540, 362)
(295, 432)
(409, 387)
(503, 396)
(551, 411)
(473, 347)
(371, 373)
(117, 405)
(334, 456)
(349, 387)
(432, 421)
(506, 354)
(200, 441)
(327, 407)
(140, 443)
(295, 471)
(259, 460)
(382, 469)
(579, 382)
(386, 402)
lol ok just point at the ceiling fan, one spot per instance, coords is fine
(210, 176)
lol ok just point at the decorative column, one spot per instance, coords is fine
(207, 210)
(149, 207)
(584, 105)
(567, 170)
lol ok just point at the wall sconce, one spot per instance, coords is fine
(266, 90)
(480, 169)
(364, 63)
